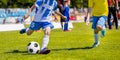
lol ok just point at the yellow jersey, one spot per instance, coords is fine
(99, 7)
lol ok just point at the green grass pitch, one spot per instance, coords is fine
(72, 45)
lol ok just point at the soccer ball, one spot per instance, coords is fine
(33, 47)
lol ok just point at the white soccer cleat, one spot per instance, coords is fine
(96, 44)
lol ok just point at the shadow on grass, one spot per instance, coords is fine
(21, 52)
(26, 52)
(18, 51)
(85, 48)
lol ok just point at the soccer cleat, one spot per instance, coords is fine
(103, 32)
(66, 30)
(96, 44)
(22, 31)
(45, 51)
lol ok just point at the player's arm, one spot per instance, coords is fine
(29, 11)
(58, 13)
(56, 19)
(88, 16)
(90, 5)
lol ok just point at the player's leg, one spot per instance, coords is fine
(96, 38)
(94, 26)
(66, 28)
(115, 17)
(27, 31)
(109, 18)
(101, 25)
(63, 24)
(45, 41)
(47, 28)
(30, 30)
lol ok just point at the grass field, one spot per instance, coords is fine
(74, 45)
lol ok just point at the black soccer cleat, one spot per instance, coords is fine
(22, 31)
(45, 51)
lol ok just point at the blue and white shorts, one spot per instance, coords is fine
(101, 20)
(37, 25)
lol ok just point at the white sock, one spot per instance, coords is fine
(96, 38)
(45, 41)
(27, 30)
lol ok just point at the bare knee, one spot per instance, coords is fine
(29, 32)
(47, 31)
(99, 28)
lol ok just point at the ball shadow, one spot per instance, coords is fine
(18, 51)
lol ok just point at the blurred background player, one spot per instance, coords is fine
(99, 16)
(42, 20)
(113, 9)
(65, 10)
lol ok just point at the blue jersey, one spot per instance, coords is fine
(66, 12)
(45, 9)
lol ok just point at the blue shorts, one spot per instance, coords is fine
(37, 25)
(101, 20)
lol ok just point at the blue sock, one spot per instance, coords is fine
(96, 38)
(66, 26)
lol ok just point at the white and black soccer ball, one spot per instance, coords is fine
(33, 47)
